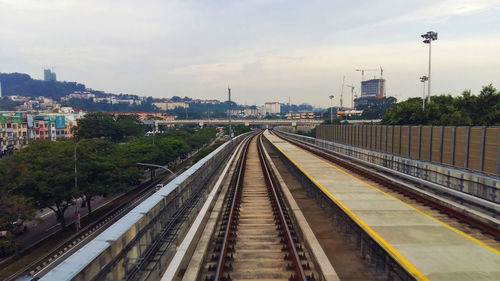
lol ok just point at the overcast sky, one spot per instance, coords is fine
(265, 50)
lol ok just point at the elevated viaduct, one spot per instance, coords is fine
(354, 174)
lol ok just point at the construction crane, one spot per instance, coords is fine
(376, 69)
(342, 93)
(352, 95)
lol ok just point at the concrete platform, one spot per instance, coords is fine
(426, 247)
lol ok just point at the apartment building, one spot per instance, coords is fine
(18, 129)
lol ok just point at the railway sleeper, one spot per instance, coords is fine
(230, 222)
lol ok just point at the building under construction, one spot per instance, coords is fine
(371, 90)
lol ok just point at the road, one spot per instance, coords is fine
(37, 231)
(40, 230)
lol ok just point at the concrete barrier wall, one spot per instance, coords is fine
(471, 148)
(481, 185)
(147, 219)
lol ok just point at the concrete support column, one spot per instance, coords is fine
(453, 138)
(441, 144)
(419, 142)
(430, 143)
(498, 157)
(466, 153)
(481, 161)
(399, 146)
(409, 142)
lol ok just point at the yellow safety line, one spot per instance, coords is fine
(420, 211)
(409, 266)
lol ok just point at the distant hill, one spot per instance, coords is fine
(23, 85)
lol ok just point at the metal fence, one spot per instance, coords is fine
(117, 252)
(472, 148)
(460, 183)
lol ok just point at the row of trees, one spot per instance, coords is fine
(105, 152)
(90, 105)
(237, 129)
(22, 84)
(375, 108)
(445, 110)
(106, 126)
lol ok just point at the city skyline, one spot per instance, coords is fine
(265, 50)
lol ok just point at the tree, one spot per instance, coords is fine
(488, 105)
(24, 85)
(91, 106)
(200, 137)
(98, 173)
(41, 172)
(104, 125)
(237, 129)
(445, 110)
(15, 209)
(407, 112)
(97, 125)
(172, 148)
(141, 151)
(375, 108)
(327, 118)
(129, 125)
(8, 104)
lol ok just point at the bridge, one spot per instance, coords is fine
(399, 200)
(264, 123)
(247, 122)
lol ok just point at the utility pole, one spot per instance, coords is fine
(76, 160)
(154, 131)
(230, 129)
(74, 156)
(352, 95)
(331, 109)
(342, 93)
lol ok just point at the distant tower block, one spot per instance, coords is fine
(49, 75)
(0, 90)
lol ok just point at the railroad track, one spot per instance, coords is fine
(124, 204)
(256, 239)
(50, 259)
(460, 220)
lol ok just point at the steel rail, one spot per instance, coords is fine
(284, 225)
(169, 228)
(135, 196)
(81, 237)
(237, 191)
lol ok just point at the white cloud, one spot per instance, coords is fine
(441, 11)
(264, 49)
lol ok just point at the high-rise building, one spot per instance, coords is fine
(373, 88)
(0, 90)
(49, 75)
(272, 108)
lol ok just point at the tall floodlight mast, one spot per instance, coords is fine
(423, 79)
(429, 37)
(230, 129)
